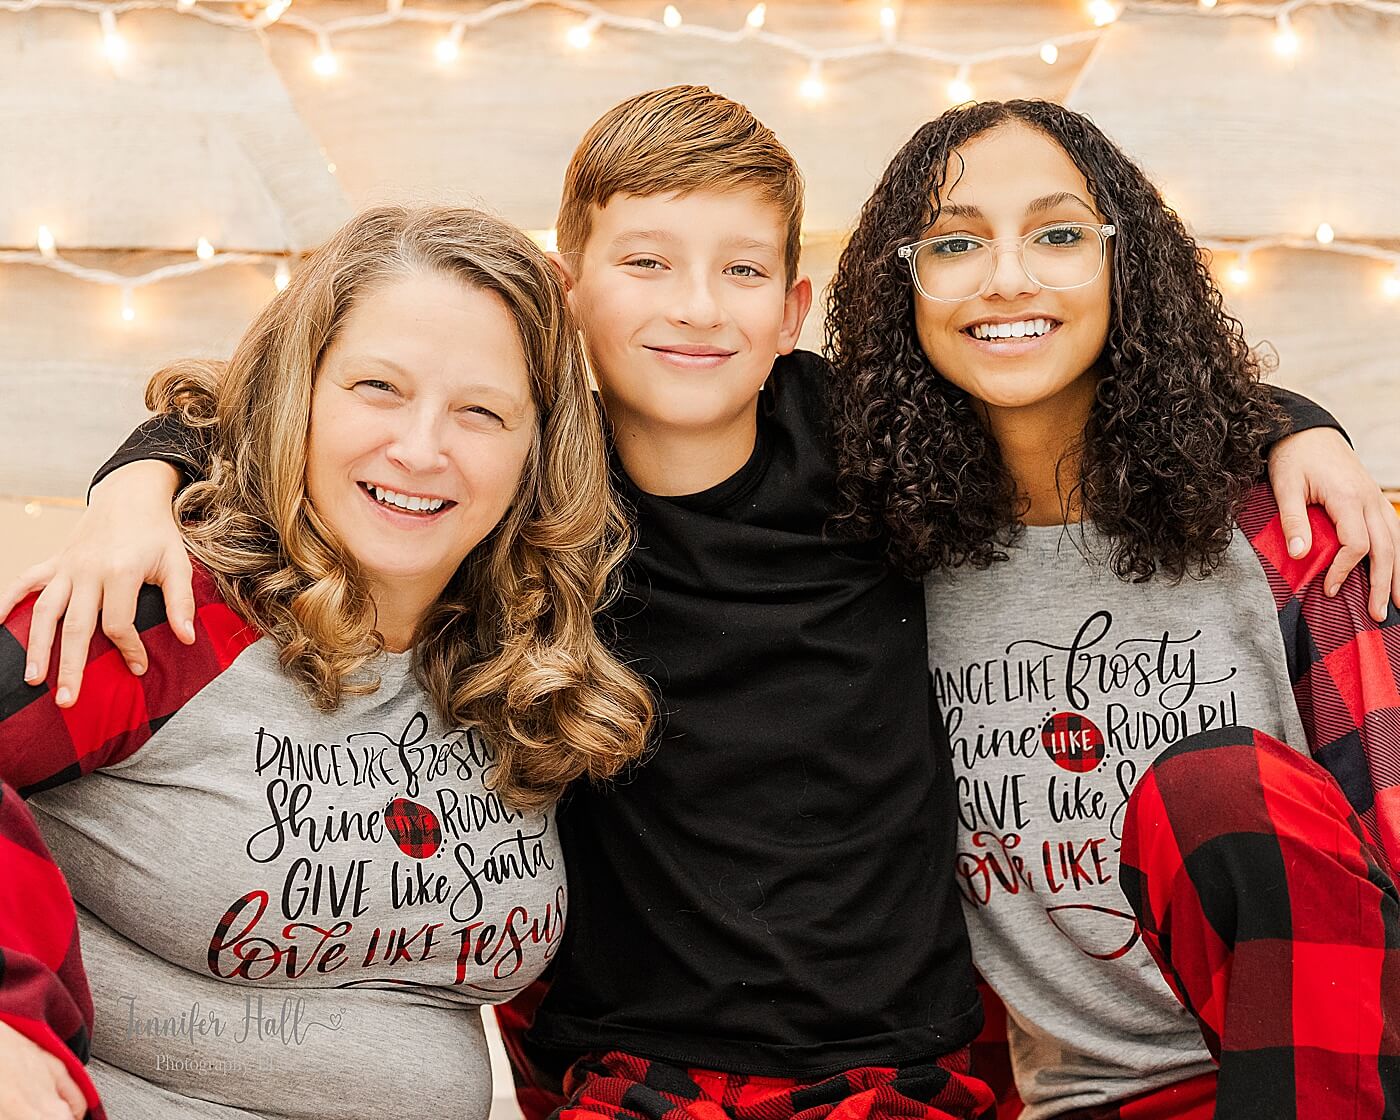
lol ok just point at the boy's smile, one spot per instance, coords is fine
(684, 305)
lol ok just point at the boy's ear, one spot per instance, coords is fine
(561, 266)
(796, 304)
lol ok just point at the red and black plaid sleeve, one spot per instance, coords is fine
(43, 990)
(1345, 667)
(43, 745)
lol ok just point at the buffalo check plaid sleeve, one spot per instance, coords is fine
(43, 989)
(43, 745)
(1345, 668)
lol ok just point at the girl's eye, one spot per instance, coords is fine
(954, 246)
(1061, 235)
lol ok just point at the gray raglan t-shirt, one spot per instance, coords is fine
(294, 913)
(1059, 684)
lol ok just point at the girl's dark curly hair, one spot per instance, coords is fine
(1177, 433)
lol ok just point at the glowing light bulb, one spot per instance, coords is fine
(274, 11)
(1325, 234)
(33, 509)
(757, 15)
(203, 249)
(47, 247)
(325, 63)
(960, 89)
(1102, 12)
(812, 87)
(184, 5)
(671, 17)
(282, 276)
(1390, 286)
(449, 47)
(1207, 4)
(128, 308)
(1049, 54)
(889, 18)
(113, 45)
(1285, 39)
(580, 36)
(1238, 273)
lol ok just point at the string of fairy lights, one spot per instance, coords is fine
(449, 31)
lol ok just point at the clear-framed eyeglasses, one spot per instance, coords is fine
(957, 266)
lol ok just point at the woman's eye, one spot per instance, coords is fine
(378, 386)
(481, 410)
(1061, 235)
(954, 246)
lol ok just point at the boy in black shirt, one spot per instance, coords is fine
(763, 919)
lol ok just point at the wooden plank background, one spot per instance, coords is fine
(222, 133)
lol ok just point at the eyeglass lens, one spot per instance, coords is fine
(1065, 256)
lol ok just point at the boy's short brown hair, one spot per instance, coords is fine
(681, 139)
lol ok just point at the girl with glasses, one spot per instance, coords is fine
(1177, 752)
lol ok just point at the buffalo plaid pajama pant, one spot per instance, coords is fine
(1264, 904)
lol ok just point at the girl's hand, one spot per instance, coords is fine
(34, 1085)
(1318, 467)
(126, 538)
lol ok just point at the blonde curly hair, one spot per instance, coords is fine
(510, 645)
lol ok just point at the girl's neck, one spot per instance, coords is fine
(1041, 445)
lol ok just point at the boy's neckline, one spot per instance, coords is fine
(722, 492)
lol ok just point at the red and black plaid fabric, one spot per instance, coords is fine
(414, 827)
(1345, 668)
(43, 745)
(43, 990)
(620, 1086)
(1264, 903)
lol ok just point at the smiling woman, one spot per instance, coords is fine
(405, 530)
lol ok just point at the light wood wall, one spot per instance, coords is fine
(224, 134)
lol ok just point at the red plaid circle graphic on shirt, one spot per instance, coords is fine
(414, 828)
(1072, 742)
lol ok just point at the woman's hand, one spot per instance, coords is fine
(1318, 467)
(126, 538)
(34, 1085)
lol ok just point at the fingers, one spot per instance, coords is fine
(30, 580)
(119, 620)
(1355, 540)
(73, 1105)
(176, 577)
(1381, 525)
(43, 624)
(79, 621)
(1292, 500)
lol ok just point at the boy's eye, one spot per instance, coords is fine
(954, 246)
(748, 271)
(644, 262)
(1060, 235)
